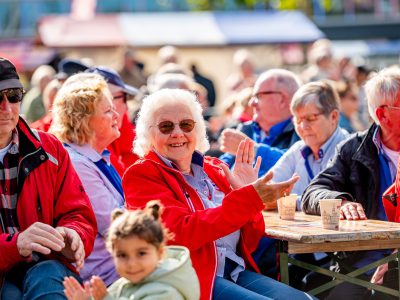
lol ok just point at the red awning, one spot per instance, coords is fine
(64, 31)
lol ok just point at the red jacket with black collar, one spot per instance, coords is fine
(49, 191)
(186, 218)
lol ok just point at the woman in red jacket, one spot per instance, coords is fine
(213, 212)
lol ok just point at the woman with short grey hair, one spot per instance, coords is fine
(315, 108)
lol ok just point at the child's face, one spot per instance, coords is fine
(135, 259)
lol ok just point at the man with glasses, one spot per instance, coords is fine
(360, 172)
(271, 128)
(47, 225)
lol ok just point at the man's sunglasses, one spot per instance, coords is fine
(13, 95)
(166, 127)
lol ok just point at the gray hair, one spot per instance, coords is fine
(321, 93)
(285, 80)
(171, 81)
(382, 89)
(163, 98)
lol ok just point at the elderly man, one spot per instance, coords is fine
(47, 222)
(363, 168)
(272, 128)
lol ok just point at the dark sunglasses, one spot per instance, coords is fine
(13, 95)
(122, 96)
(166, 127)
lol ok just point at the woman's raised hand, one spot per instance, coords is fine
(243, 172)
(270, 192)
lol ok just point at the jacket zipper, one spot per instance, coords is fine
(189, 201)
(19, 164)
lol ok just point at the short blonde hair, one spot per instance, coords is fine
(163, 98)
(75, 103)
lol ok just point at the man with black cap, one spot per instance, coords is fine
(46, 219)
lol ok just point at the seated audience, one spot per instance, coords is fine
(47, 223)
(33, 107)
(349, 106)
(271, 128)
(362, 169)
(49, 94)
(213, 212)
(315, 107)
(86, 121)
(148, 269)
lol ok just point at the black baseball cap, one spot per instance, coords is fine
(9, 78)
(71, 66)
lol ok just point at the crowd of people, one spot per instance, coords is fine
(119, 185)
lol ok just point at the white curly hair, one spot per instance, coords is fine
(163, 98)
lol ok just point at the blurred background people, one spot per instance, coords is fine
(244, 75)
(132, 70)
(349, 106)
(32, 106)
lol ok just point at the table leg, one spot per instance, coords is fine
(398, 267)
(284, 262)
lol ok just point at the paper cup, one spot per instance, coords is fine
(330, 213)
(287, 207)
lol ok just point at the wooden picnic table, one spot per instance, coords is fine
(305, 234)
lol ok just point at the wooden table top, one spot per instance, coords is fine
(306, 231)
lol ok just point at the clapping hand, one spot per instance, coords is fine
(230, 140)
(270, 192)
(95, 288)
(243, 172)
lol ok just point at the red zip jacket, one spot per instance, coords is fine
(391, 199)
(121, 149)
(49, 191)
(186, 218)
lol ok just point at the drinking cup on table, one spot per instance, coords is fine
(287, 207)
(330, 213)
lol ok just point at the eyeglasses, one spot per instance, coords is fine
(121, 96)
(13, 95)
(257, 95)
(166, 127)
(309, 119)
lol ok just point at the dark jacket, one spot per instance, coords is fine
(353, 175)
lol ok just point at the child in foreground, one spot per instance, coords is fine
(148, 269)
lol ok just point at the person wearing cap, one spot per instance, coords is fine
(86, 121)
(122, 155)
(47, 225)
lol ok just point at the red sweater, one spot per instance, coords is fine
(184, 214)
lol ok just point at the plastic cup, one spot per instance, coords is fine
(330, 213)
(287, 207)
